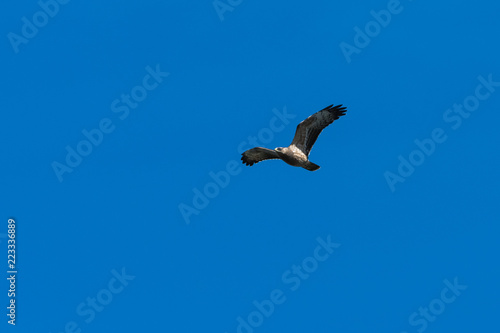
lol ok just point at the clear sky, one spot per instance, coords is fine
(121, 131)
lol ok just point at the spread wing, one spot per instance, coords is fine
(257, 154)
(309, 129)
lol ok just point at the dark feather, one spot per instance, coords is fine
(257, 154)
(308, 130)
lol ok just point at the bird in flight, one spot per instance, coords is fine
(297, 153)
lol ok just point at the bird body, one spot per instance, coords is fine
(297, 153)
(295, 157)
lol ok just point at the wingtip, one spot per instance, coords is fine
(339, 110)
(336, 107)
(245, 161)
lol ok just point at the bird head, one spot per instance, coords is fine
(279, 149)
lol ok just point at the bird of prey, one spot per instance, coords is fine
(297, 153)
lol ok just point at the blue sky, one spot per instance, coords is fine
(121, 133)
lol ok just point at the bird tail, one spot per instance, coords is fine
(311, 166)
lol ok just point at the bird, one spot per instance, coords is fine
(297, 153)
